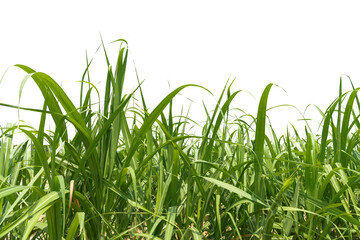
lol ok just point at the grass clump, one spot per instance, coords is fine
(132, 173)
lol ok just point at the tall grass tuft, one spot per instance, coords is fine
(132, 173)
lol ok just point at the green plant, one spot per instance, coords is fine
(132, 173)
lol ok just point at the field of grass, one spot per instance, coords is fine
(137, 173)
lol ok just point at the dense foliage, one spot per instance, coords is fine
(129, 173)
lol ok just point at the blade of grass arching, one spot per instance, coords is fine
(149, 121)
(50, 90)
(259, 189)
(49, 96)
(73, 115)
(121, 41)
(170, 223)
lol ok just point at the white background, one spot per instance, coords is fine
(302, 46)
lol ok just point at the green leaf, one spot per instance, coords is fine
(235, 190)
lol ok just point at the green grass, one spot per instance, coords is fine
(136, 173)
